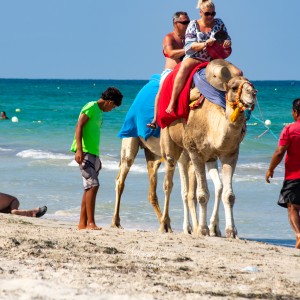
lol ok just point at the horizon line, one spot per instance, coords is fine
(111, 79)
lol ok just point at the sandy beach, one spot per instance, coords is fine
(47, 259)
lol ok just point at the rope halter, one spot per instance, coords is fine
(238, 106)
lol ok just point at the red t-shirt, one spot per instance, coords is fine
(290, 135)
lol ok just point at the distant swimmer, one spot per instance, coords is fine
(4, 116)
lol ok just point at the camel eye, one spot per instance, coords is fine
(235, 89)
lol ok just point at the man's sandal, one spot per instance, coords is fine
(152, 125)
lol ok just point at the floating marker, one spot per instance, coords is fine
(18, 109)
(15, 119)
(268, 122)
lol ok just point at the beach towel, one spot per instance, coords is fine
(181, 109)
(141, 112)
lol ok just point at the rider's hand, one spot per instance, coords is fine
(227, 44)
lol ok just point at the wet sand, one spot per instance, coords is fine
(48, 259)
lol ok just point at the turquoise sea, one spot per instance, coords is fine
(38, 168)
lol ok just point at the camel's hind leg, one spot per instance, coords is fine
(212, 168)
(153, 163)
(129, 150)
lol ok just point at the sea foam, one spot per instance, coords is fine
(39, 154)
(3, 149)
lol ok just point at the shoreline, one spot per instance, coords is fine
(49, 259)
(134, 226)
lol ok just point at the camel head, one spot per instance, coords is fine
(241, 95)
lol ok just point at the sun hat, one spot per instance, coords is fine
(219, 71)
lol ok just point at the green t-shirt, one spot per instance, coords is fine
(91, 130)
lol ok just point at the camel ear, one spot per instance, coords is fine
(226, 87)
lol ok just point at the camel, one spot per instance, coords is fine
(129, 149)
(211, 133)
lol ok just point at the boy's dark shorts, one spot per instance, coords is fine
(90, 168)
(290, 193)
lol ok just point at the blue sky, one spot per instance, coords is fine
(114, 39)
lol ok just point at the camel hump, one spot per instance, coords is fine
(220, 71)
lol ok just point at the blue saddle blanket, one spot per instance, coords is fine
(141, 112)
(207, 90)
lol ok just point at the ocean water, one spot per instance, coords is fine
(38, 167)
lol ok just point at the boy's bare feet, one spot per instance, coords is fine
(93, 226)
(81, 226)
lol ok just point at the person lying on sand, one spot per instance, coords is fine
(10, 205)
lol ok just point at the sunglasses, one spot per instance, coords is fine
(206, 14)
(183, 22)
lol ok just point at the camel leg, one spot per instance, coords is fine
(228, 197)
(192, 200)
(214, 228)
(170, 164)
(129, 150)
(171, 153)
(153, 163)
(188, 186)
(202, 192)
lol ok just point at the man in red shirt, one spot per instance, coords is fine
(289, 143)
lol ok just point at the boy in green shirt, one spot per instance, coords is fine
(86, 145)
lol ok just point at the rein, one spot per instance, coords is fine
(237, 105)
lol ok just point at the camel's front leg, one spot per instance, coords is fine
(228, 196)
(188, 186)
(153, 163)
(202, 192)
(129, 150)
(212, 168)
(165, 224)
(171, 153)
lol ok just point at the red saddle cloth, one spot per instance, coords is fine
(182, 108)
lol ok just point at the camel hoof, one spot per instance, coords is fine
(116, 222)
(203, 231)
(165, 228)
(187, 229)
(231, 233)
(214, 230)
(116, 225)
